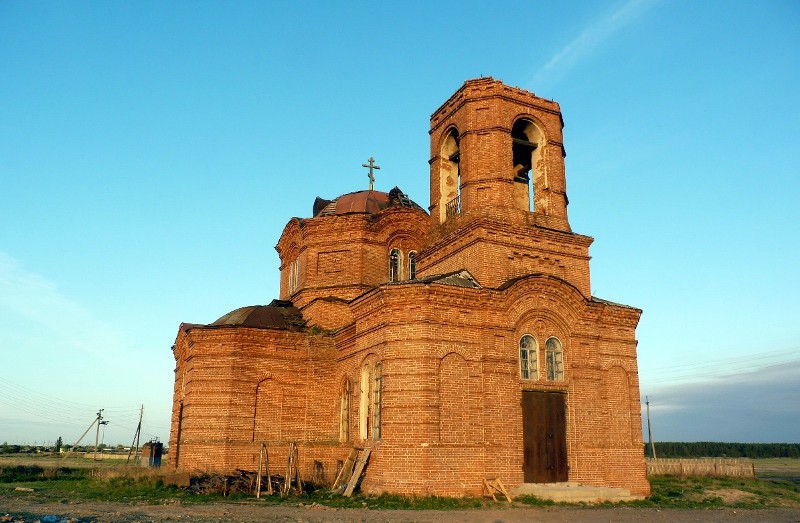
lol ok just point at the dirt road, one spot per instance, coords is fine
(251, 512)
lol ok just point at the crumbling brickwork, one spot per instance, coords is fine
(403, 331)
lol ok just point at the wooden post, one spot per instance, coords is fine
(287, 479)
(266, 466)
(258, 475)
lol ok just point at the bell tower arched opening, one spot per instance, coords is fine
(526, 154)
(450, 176)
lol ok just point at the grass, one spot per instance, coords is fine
(705, 492)
(63, 482)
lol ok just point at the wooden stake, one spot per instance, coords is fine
(258, 476)
(266, 466)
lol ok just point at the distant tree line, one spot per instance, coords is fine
(5, 448)
(716, 449)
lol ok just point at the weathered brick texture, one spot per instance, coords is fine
(427, 371)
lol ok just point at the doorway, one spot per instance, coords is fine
(544, 437)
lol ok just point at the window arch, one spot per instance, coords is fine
(412, 265)
(450, 176)
(395, 263)
(526, 142)
(528, 358)
(554, 355)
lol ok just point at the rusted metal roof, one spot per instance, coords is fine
(363, 202)
(460, 278)
(277, 315)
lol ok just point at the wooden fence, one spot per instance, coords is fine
(732, 467)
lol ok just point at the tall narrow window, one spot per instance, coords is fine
(363, 403)
(450, 177)
(525, 153)
(555, 359)
(528, 364)
(294, 274)
(412, 265)
(377, 387)
(344, 413)
(394, 265)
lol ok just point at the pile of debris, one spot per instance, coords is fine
(241, 482)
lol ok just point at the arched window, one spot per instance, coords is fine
(525, 153)
(412, 265)
(394, 265)
(554, 354)
(369, 408)
(528, 358)
(450, 177)
(363, 403)
(377, 386)
(344, 413)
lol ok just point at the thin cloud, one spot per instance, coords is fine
(755, 406)
(589, 41)
(38, 300)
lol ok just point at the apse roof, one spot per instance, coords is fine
(363, 202)
(279, 314)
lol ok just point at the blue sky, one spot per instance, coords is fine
(151, 153)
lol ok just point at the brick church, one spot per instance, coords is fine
(457, 344)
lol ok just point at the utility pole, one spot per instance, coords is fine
(97, 434)
(135, 442)
(649, 432)
(84, 434)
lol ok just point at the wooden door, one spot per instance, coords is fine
(544, 437)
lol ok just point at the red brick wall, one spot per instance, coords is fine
(451, 388)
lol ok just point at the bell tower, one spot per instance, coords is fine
(498, 186)
(498, 149)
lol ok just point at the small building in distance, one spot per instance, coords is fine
(458, 344)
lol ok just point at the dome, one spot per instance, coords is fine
(277, 315)
(363, 202)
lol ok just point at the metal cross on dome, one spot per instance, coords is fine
(371, 166)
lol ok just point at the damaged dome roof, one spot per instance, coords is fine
(363, 202)
(279, 314)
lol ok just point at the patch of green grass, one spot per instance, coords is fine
(70, 484)
(536, 502)
(703, 492)
(20, 473)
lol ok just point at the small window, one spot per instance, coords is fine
(294, 275)
(555, 359)
(528, 364)
(394, 265)
(412, 265)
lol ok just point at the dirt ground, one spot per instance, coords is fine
(17, 510)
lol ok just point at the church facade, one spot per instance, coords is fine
(457, 344)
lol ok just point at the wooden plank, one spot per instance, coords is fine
(347, 470)
(298, 484)
(488, 488)
(258, 475)
(502, 489)
(493, 486)
(357, 472)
